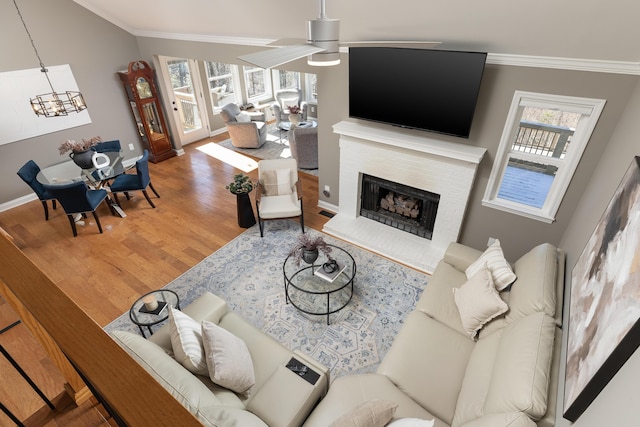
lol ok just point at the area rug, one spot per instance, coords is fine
(247, 273)
(276, 147)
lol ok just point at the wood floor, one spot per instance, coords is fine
(105, 273)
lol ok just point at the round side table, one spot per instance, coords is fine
(144, 318)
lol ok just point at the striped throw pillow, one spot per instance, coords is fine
(493, 258)
(186, 340)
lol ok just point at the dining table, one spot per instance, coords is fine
(96, 177)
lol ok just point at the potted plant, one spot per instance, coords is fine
(81, 152)
(241, 186)
(308, 247)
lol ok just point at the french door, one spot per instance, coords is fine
(188, 107)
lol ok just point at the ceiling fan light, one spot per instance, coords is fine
(323, 59)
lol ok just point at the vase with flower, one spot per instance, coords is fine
(308, 247)
(81, 152)
(294, 114)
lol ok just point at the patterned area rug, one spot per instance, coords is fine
(247, 273)
(276, 147)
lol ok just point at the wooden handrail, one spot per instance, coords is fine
(125, 386)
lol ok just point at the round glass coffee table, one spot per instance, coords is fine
(145, 318)
(318, 290)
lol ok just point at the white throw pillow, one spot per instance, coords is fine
(186, 341)
(243, 117)
(228, 358)
(277, 182)
(478, 302)
(411, 422)
(493, 258)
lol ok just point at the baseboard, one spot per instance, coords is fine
(17, 202)
(328, 206)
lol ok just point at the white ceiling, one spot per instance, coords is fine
(593, 30)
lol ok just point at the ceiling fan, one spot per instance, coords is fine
(321, 47)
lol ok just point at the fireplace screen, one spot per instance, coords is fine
(400, 206)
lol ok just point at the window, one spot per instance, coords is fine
(541, 145)
(258, 83)
(311, 88)
(283, 79)
(222, 82)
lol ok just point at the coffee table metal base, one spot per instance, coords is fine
(302, 284)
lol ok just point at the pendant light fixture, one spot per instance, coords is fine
(53, 104)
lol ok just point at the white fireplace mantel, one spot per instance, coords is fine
(400, 139)
(444, 168)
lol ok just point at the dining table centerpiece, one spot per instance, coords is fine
(241, 186)
(81, 152)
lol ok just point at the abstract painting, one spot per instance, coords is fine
(604, 312)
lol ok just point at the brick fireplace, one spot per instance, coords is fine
(444, 169)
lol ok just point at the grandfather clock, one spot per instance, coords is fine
(142, 94)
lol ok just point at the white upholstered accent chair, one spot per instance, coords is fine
(284, 99)
(279, 192)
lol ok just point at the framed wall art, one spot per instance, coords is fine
(604, 312)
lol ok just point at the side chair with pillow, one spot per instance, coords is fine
(77, 198)
(279, 191)
(28, 173)
(138, 182)
(246, 129)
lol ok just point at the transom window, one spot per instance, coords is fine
(542, 142)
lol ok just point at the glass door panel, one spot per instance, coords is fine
(182, 78)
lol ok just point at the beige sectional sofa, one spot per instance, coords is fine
(280, 397)
(506, 376)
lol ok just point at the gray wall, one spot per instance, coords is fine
(617, 403)
(65, 33)
(96, 50)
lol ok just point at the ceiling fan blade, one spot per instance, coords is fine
(391, 43)
(287, 42)
(273, 57)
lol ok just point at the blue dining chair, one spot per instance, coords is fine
(77, 198)
(107, 146)
(138, 182)
(28, 173)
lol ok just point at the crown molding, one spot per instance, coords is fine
(573, 64)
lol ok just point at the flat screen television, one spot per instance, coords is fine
(428, 89)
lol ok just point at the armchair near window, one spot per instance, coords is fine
(246, 129)
(279, 192)
(285, 99)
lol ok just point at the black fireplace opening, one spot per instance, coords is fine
(400, 206)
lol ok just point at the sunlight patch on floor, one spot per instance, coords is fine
(230, 157)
